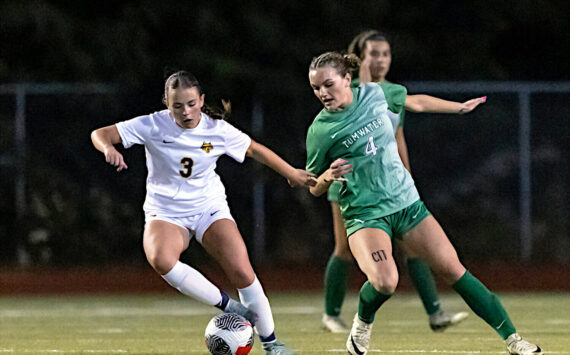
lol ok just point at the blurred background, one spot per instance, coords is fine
(498, 179)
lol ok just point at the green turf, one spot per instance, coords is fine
(172, 324)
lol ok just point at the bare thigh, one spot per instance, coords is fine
(223, 241)
(372, 249)
(428, 241)
(163, 242)
(341, 248)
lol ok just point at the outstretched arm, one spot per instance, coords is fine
(264, 155)
(104, 139)
(426, 103)
(336, 171)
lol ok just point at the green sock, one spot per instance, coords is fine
(336, 278)
(423, 281)
(370, 301)
(484, 303)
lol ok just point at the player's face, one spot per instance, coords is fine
(331, 88)
(381, 58)
(185, 105)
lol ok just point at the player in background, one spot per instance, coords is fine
(373, 49)
(352, 140)
(185, 197)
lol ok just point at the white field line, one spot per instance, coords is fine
(137, 311)
(434, 351)
(187, 351)
(52, 351)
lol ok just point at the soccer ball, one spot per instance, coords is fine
(229, 334)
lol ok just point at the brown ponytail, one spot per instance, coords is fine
(187, 80)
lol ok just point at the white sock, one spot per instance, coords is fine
(192, 283)
(254, 298)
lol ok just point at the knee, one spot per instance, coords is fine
(343, 252)
(160, 262)
(241, 277)
(450, 272)
(385, 283)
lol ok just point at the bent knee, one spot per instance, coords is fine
(385, 283)
(242, 277)
(450, 273)
(161, 263)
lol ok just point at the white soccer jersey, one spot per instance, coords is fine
(181, 162)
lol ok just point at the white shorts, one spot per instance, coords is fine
(196, 224)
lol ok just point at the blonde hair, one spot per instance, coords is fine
(343, 63)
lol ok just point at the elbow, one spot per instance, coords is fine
(94, 135)
(416, 107)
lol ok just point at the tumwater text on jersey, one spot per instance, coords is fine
(361, 132)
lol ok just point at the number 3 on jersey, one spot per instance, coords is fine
(370, 147)
(187, 164)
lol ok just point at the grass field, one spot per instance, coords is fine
(172, 324)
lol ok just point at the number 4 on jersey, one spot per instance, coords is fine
(370, 147)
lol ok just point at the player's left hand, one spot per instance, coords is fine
(302, 178)
(470, 105)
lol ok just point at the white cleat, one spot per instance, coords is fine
(440, 321)
(516, 345)
(276, 348)
(334, 324)
(359, 337)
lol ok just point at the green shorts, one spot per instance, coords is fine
(396, 225)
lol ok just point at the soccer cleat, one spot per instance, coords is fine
(440, 321)
(334, 324)
(359, 338)
(276, 348)
(238, 308)
(516, 345)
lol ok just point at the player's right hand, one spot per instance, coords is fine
(113, 157)
(339, 168)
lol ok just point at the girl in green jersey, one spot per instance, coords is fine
(373, 49)
(351, 140)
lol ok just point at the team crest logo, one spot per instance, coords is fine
(207, 147)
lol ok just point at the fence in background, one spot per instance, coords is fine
(463, 167)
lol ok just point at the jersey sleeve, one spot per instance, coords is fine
(395, 97)
(236, 141)
(316, 153)
(135, 131)
(402, 117)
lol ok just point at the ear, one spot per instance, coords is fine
(202, 100)
(348, 79)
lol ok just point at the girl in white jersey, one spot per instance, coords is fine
(186, 198)
(373, 49)
(351, 140)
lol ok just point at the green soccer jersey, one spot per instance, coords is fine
(363, 135)
(396, 118)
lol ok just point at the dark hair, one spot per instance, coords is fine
(358, 43)
(343, 63)
(187, 80)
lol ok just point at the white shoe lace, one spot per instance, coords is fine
(517, 345)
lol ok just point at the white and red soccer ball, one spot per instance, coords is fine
(229, 334)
